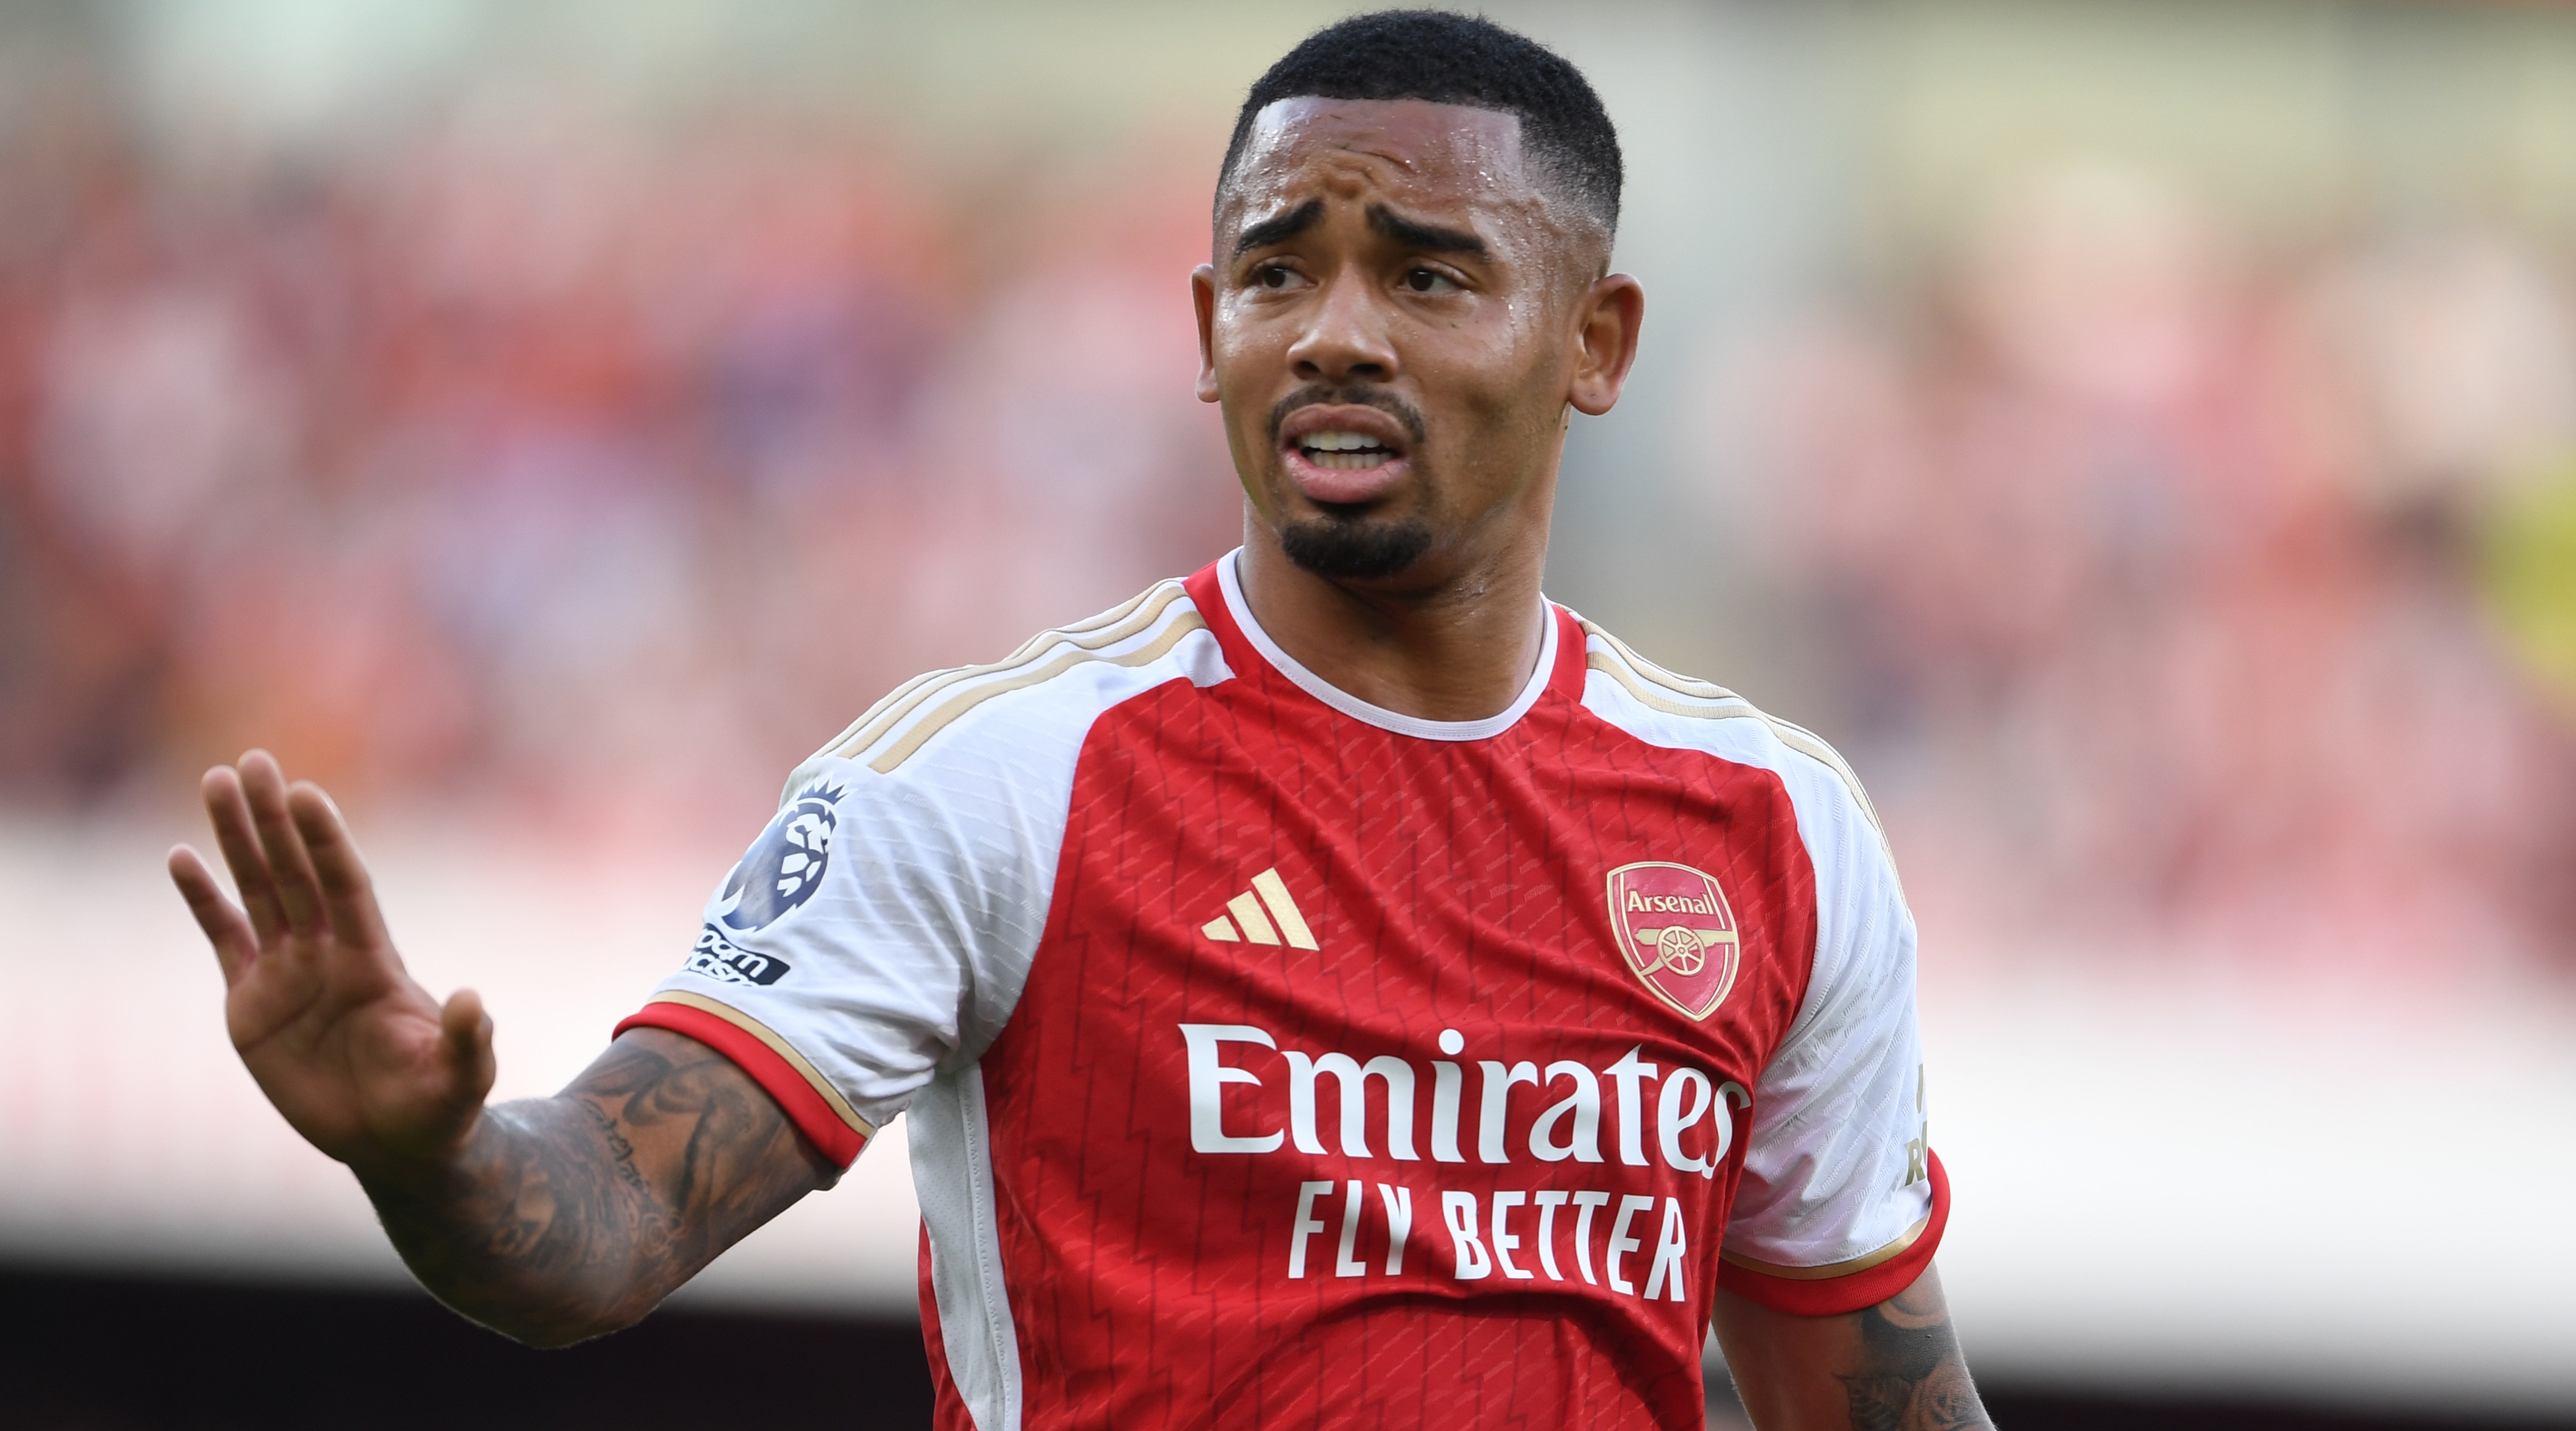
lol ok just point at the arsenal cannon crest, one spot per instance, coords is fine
(1676, 932)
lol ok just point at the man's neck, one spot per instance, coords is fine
(1461, 649)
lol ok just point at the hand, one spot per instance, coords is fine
(361, 1059)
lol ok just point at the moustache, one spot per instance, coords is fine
(1353, 395)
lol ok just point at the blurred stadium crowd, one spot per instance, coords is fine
(2198, 596)
(2162, 584)
(531, 458)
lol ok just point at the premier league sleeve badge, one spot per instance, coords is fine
(785, 865)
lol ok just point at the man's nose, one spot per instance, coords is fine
(1346, 338)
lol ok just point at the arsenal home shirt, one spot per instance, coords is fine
(1276, 1059)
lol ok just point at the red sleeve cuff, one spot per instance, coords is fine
(1839, 1292)
(822, 1125)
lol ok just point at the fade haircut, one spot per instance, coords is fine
(1447, 58)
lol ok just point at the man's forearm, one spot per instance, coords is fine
(532, 1231)
(1892, 1367)
(1909, 1374)
(562, 1218)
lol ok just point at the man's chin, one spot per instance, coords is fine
(1355, 548)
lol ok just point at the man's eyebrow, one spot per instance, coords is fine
(1281, 229)
(1430, 238)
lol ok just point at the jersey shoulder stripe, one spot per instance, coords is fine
(1136, 632)
(893, 702)
(1658, 689)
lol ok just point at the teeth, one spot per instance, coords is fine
(1348, 461)
(1337, 442)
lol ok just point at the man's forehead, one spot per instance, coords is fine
(1404, 144)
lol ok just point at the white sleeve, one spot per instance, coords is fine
(882, 926)
(879, 925)
(1837, 1174)
(1841, 1202)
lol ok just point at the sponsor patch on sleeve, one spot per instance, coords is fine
(726, 962)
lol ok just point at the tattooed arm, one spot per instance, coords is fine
(552, 1219)
(1892, 1367)
(561, 1218)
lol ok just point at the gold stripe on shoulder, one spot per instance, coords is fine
(1669, 680)
(892, 700)
(884, 703)
(768, 1036)
(1107, 629)
(1633, 672)
(1831, 1270)
(1004, 684)
(1729, 707)
(1111, 616)
(1807, 742)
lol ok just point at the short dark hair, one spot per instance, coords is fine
(1447, 58)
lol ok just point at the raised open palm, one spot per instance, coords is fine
(360, 1058)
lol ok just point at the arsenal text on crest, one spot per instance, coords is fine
(1676, 933)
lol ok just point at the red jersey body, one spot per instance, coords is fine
(1276, 1060)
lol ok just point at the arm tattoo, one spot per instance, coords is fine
(1909, 1375)
(568, 1216)
(620, 1149)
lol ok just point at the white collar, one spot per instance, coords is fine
(1379, 716)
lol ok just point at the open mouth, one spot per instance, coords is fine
(1344, 451)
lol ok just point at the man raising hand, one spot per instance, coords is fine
(1340, 988)
(550, 1219)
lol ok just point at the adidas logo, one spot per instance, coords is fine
(1283, 922)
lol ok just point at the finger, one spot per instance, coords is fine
(236, 943)
(467, 1033)
(348, 894)
(229, 812)
(290, 866)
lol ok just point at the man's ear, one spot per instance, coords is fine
(1203, 298)
(1605, 337)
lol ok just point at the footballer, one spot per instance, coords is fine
(1337, 988)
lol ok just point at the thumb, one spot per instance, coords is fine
(465, 1037)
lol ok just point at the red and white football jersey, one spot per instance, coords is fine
(1275, 1059)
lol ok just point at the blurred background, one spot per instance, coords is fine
(2141, 433)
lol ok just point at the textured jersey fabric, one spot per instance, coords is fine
(1273, 1059)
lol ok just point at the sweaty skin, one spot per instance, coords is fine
(1490, 348)
(1398, 319)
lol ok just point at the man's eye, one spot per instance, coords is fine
(1425, 280)
(1274, 276)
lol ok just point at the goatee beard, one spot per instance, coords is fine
(1339, 549)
